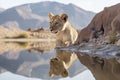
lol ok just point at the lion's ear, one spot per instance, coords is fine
(51, 74)
(64, 73)
(64, 17)
(50, 15)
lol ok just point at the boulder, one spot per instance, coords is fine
(103, 23)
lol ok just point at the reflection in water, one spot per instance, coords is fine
(9, 46)
(30, 46)
(29, 62)
(25, 58)
(61, 63)
(101, 68)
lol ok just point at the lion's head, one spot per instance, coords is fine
(57, 22)
(57, 67)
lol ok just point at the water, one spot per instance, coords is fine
(102, 68)
(32, 59)
(103, 61)
(40, 59)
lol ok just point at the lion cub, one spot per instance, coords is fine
(66, 34)
(61, 63)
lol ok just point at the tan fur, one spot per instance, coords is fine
(66, 34)
(61, 64)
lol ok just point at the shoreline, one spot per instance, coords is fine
(27, 40)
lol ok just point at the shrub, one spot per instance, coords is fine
(22, 35)
(112, 38)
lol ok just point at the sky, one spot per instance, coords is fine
(91, 5)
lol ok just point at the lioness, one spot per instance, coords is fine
(61, 63)
(65, 33)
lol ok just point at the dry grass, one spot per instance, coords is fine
(44, 34)
(112, 38)
(22, 35)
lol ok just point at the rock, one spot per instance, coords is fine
(101, 24)
(118, 42)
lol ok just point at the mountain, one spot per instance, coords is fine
(36, 14)
(1, 10)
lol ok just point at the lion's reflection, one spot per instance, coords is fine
(61, 63)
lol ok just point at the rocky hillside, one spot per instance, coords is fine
(105, 23)
(36, 15)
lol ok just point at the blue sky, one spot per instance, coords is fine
(92, 5)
